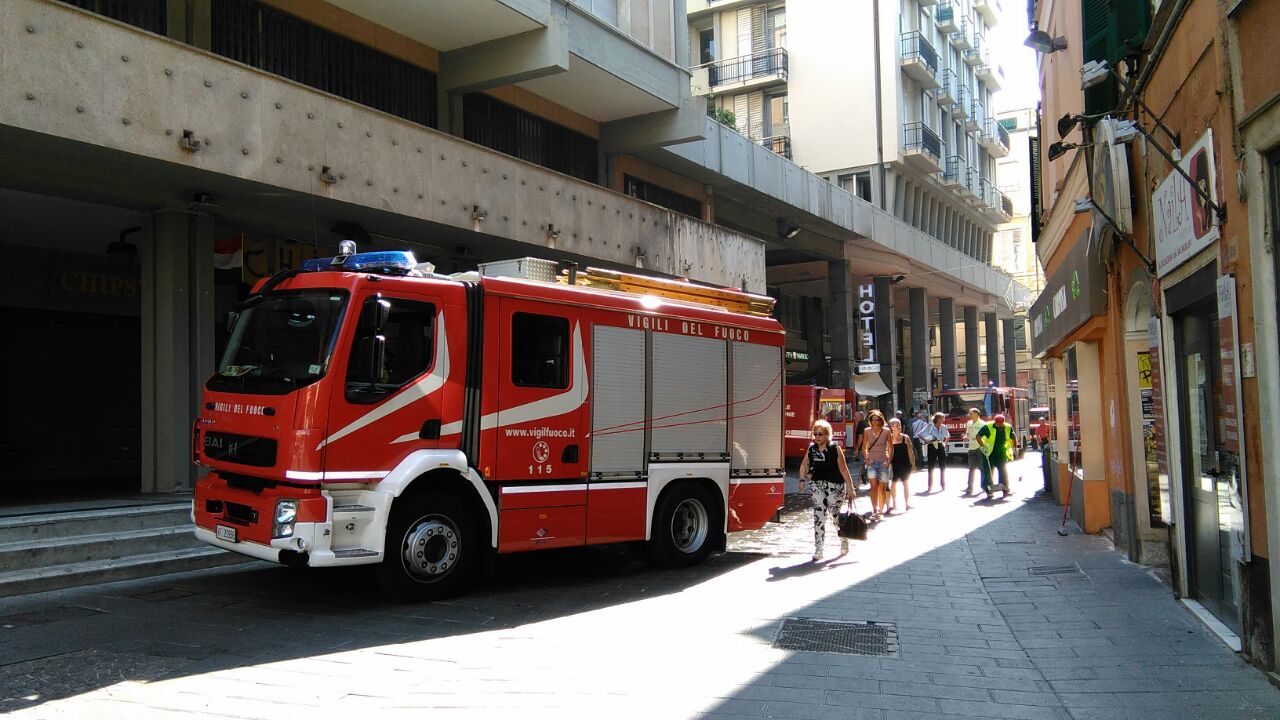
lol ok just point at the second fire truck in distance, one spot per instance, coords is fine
(1013, 403)
(370, 412)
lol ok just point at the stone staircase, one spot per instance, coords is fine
(59, 549)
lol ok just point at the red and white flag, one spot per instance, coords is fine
(228, 254)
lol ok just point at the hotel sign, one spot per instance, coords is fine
(867, 360)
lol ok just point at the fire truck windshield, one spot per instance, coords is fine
(281, 343)
(958, 404)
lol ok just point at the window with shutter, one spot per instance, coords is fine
(1112, 30)
(1035, 188)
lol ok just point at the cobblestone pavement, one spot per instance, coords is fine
(996, 616)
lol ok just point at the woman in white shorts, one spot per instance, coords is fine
(877, 453)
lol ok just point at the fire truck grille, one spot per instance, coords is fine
(241, 513)
(833, 636)
(243, 449)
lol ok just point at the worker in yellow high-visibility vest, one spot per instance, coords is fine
(996, 442)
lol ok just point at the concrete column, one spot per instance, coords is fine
(918, 302)
(973, 376)
(886, 350)
(1011, 325)
(814, 331)
(993, 347)
(840, 322)
(177, 342)
(947, 340)
(1090, 500)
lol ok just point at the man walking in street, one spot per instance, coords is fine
(977, 458)
(918, 426)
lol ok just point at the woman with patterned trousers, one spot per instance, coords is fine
(829, 480)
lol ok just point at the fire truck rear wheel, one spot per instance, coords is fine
(686, 527)
(431, 548)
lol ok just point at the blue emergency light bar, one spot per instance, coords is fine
(383, 262)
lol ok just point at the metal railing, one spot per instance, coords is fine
(985, 191)
(952, 171)
(962, 34)
(947, 82)
(977, 112)
(740, 69)
(1006, 203)
(974, 53)
(779, 145)
(962, 95)
(944, 13)
(918, 136)
(916, 46)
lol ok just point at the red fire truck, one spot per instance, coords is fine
(370, 411)
(805, 404)
(1011, 402)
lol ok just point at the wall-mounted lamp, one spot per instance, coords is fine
(791, 231)
(897, 279)
(1059, 149)
(1094, 73)
(122, 249)
(1040, 41)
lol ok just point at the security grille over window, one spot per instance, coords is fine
(149, 15)
(256, 34)
(512, 131)
(833, 636)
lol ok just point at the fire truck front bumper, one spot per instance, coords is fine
(279, 525)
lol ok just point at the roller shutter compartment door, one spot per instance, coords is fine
(71, 409)
(690, 398)
(617, 406)
(757, 407)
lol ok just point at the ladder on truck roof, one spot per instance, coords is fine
(731, 299)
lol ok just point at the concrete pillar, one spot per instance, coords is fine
(886, 350)
(814, 331)
(1090, 500)
(972, 375)
(993, 347)
(1011, 325)
(176, 260)
(947, 340)
(918, 307)
(840, 322)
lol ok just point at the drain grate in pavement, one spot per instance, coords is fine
(1041, 570)
(834, 636)
(41, 617)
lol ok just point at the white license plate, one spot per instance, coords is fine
(226, 533)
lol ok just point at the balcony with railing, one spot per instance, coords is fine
(779, 145)
(1006, 205)
(953, 172)
(960, 110)
(920, 59)
(970, 177)
(757, 70)
(960, 38)
(921, 147)
(984, 193)
(947, 81)
(973, 56)
(995, 138)
(977, 116)
(988, 9)
(945, 17)
(991, 75)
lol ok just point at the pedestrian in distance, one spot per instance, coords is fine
(877, 454)
(903, 462)
(853, 445)
(829, 481)
(997, 445)
(934, 437)
(977, 458)
(918, 426)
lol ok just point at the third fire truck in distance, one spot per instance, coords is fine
(1013, 403)
(368, 411)
(805, 404)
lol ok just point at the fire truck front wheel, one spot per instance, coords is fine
(431, 548)
(686, 526)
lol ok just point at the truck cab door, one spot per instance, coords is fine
(395, 373)
(542, 393)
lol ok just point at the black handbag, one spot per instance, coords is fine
(852, 525)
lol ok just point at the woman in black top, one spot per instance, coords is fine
(829, 480)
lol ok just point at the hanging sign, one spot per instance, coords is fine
(868, 362)
(1184, 223)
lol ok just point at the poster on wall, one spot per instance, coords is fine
(1183, 221)
(1232, 443)
(1156, 440)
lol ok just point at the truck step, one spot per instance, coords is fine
(56, 577)
(44, 552)
(352, 508)
(41, 526)
(354, 553)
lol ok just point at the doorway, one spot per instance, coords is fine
(1214, 516)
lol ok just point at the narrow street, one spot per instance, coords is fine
(990, 613)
